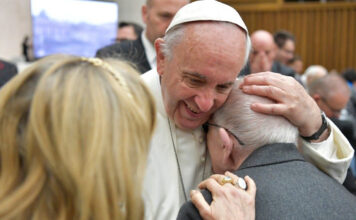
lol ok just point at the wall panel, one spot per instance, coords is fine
(325, 32)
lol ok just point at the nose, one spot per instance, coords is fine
(205, 101)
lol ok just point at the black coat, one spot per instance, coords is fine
(277, 67)
(288, 187)
(7, 71)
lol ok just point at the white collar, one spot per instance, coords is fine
(149, 50)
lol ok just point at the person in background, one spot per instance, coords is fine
(7, 71)
(264, 147)
(156, 14)
(285, 42)
(128, 31)
(195, 73)
(296, 63)
(313, 73)
(27, 49)
(263, 54)
(350, 76)
(332, 95)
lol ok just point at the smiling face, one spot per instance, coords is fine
(198, 78)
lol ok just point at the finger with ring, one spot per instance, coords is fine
(227, 179)
(241, 183)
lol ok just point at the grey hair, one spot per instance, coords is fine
(254, 129)
(174, 35)
(327, 85)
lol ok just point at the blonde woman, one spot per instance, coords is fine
(74, 136)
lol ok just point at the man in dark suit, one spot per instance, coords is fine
(157, 15)
(262, 57)
(7, 71)
(263, 147)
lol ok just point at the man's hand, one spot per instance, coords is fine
(291, 100)
(229, 201)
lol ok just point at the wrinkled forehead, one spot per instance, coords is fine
(207, 35)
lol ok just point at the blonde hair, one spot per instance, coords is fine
(74, 141)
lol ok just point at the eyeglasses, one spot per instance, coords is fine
(206, 128)
(335, 111)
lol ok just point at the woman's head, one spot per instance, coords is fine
(74, 138)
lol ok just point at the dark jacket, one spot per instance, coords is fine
(277, 67)
(288, 187)
(132, 51)
(7, 71)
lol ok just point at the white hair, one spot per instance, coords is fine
(312, 73)
(174, 36)
(254, 129)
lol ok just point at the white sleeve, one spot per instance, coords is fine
(333, 156)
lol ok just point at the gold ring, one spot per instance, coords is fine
(227, 179)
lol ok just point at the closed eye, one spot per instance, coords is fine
(223, 88)
(192, 82)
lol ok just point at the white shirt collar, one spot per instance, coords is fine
(149, 50)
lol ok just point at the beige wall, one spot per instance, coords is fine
(15, 23)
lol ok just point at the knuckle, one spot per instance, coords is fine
(205, 213)
(269, 91)
(273, 110)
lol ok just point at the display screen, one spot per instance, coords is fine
(77, 27)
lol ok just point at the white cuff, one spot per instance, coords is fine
(333, 156)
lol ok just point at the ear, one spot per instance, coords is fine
(316, 97)
(227, 143)
(144, 13)
(160, 56)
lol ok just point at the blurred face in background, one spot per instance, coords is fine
(126, 33)
(263, 51)
(158, 14)
(334, 104)
(286, 53)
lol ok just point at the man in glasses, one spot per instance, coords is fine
(331, 93)
(285, 42)
(264, 148)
